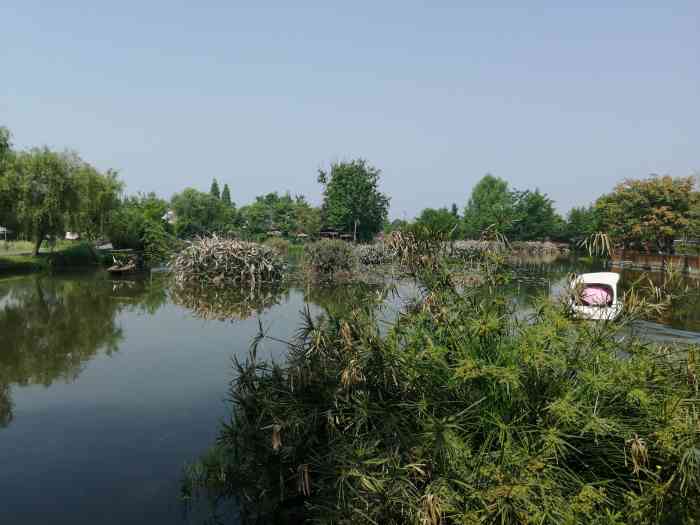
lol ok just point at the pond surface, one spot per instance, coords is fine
(108, 387)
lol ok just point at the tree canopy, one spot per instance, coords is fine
(440, 220)
(284, 213)
(649, 213)
(214, 190)
(226, 195)
(48, 192)
(534, 217)
(351, 198)
(491, 204)
(198, 213)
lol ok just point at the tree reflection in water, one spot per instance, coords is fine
(227, 304)
(52, 326)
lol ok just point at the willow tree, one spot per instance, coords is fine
(47, 192)
(352, 202)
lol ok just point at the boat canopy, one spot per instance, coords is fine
(605, 278)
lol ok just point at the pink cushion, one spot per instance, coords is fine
(596, 295)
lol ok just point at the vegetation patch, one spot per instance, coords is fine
(461, 412)
(217, 261)
(374, 254)
(326, 259)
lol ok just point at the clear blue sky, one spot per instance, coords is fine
(436, 94)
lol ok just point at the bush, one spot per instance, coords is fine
(461, 413)
(373, 254)
(219, 262)
(278, 244)
(326, 258)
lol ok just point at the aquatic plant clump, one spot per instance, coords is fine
(463, 413)
(217, 261)
(327, 258)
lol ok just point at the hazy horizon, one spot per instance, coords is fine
(567, 100)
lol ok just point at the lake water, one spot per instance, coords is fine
(107, 387)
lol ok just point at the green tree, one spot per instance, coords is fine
(8, 181)
(454, 210)
(581, 223)
(535, 217)
(133, 218)
(491, 204)
(351, 198)
(48, 192)
(198, 213)
(226, 195)
(649, 213)
(99, 198)
(284, 213)
(439, 220)
(214, 190)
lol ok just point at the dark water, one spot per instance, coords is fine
(108, 387)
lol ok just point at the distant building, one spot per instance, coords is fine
(169, 217)
(72, 236)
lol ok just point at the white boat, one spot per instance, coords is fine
(595, 296)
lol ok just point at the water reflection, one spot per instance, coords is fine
(50, 327)
(227, 304)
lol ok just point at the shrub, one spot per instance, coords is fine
(279, 244)
(326, 258)
(219, 262)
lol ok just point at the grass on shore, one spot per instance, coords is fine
(72, 255)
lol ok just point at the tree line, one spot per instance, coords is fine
(43, 193)
(646, 214)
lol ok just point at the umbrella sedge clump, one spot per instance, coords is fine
(462, 412)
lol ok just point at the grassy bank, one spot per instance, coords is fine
(68, 256)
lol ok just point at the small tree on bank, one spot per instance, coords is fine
(352, 201)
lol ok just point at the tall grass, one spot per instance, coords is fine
(462, 412)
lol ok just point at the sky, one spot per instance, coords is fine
(436, 94)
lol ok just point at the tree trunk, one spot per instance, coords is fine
(37, 245)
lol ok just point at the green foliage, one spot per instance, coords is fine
(278, 244)
(99, 198)
(649, 213)
(440, 219)
(127, 228)
(581, 223)
(351, 198)
(214, 190)
(535, 218)
(326, 258)
(8, 183)
(491, 204)
(158, 243)
(48, 192)
(284, 213)
(461, 412)
(200, 213)
(226, 196)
